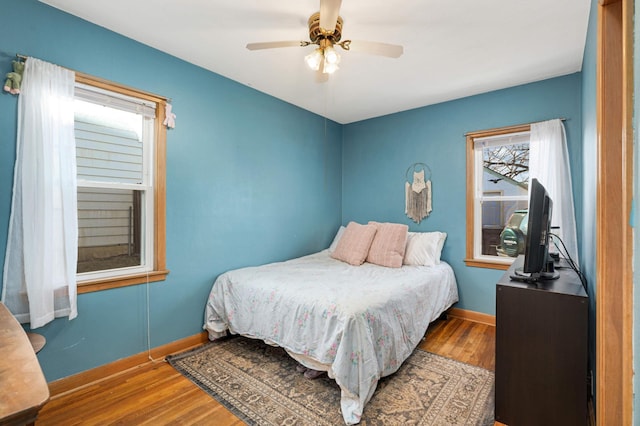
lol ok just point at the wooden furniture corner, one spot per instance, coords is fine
(24, 389)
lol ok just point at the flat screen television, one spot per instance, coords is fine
(538, 266)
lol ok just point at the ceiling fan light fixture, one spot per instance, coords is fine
(325, 59)
(331, 56)
(329, 68)
(314, 59)
(331, 59)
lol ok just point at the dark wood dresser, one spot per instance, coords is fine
(541, 350)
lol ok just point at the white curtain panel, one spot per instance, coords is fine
(39, 281)
(549, 163)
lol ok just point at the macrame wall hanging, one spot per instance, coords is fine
(417, 190)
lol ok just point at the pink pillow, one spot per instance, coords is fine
(388, 244)
(354, 244)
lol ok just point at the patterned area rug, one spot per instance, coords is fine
(260, 385)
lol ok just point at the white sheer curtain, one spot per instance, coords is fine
(39, 280)
(549, 163)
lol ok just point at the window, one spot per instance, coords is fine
(497, 195)
(120, 154)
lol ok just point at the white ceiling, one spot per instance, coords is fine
(452, 48)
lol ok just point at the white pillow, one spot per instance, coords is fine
(334, 243)
(424, 248)
(443, 237)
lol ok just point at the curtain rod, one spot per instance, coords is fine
(542, 121)
(515, 126)
(168, 100)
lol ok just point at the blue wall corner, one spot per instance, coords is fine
(377, 152)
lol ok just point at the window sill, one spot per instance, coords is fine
(489, 264)
(124, 281)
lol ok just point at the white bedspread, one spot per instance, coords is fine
(357, 322)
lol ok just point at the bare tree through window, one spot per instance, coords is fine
(511, 161)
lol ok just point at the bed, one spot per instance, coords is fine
(358, 323)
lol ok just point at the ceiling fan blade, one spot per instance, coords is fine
(376, 48)
(274, 44)
(329, 12)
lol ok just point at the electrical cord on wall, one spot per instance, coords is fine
(149, 326)
(570, 261)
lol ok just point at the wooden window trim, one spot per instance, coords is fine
(469, 255)
(159, 272)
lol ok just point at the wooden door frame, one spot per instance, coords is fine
(614, 238)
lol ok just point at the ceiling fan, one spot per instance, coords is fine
(325, 30)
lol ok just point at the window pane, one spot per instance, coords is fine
(108, 117)
(505, 174)
(109, 145)
(506, 164)
(109, 229)
(497, 216)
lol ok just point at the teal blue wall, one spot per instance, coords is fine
(589, 183)
(250, 179)
(377, 152)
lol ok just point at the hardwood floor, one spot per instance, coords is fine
(156, 394)
(462, 340)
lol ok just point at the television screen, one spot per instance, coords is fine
(536, 253)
